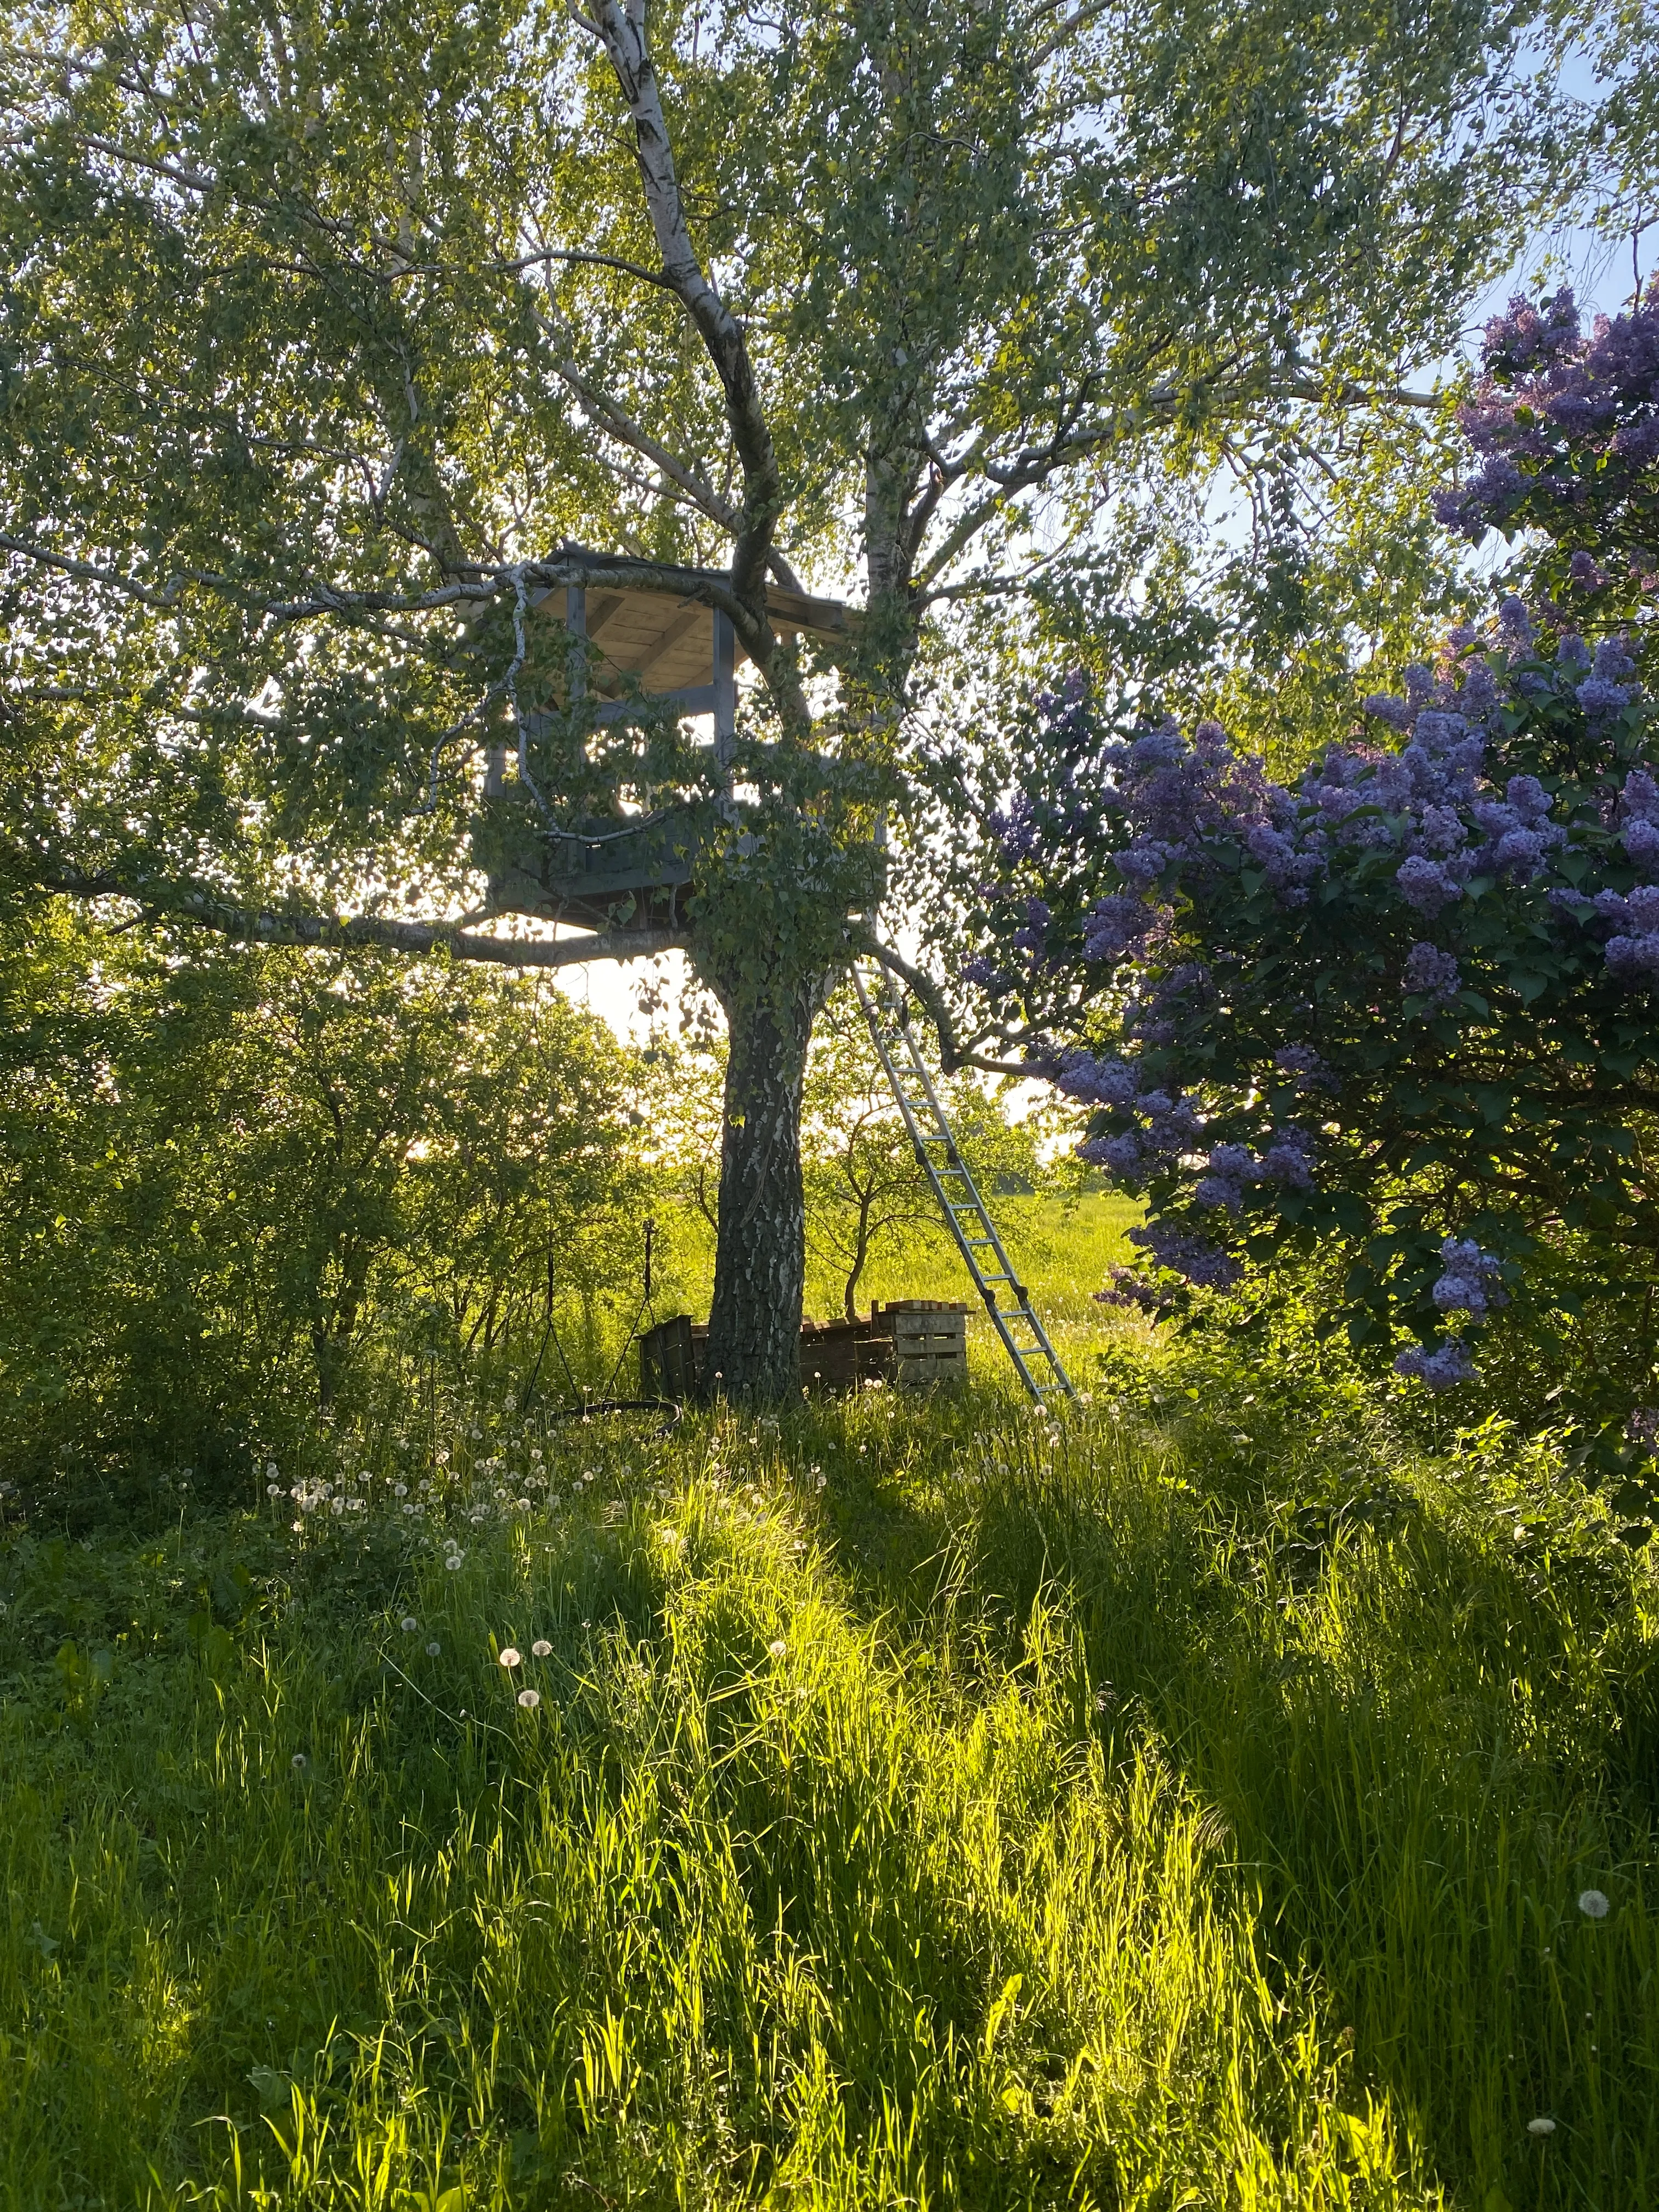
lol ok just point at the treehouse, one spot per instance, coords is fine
(649, 649)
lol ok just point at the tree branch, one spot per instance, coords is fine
(208, 910)
(953, 1056)
(622, 30)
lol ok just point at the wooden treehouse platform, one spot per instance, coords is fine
(652, 649)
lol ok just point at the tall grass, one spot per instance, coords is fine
(924, 1805)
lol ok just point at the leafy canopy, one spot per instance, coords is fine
(326, 332)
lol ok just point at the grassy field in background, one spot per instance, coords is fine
(1181, 1804)
(1061, 1247)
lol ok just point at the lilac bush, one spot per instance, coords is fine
(1400, 1011)
(1406, 1002)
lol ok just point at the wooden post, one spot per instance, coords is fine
(726, 696)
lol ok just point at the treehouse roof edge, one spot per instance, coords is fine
(652, 634)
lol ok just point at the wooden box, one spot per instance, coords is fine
(926, 1341)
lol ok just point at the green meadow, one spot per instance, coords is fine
(1185, 1802)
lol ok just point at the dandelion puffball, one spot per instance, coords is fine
(541, 1647)
(1592, 1903)
(777, 1647)
(299, 1762)
(409, 1624)
(433, 1648)
(530, 1700)
(1541, 2127)
(509, 1656)
(454, 1559)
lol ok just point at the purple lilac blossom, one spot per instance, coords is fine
(1124, 1287)
(1183, 1254)
(1469, 1281)
(1426, 885)
(1551, 419)
(1302, 1062)
(1288, 1161)
(1121, 1155)
(1441, 1370)
(1114, 924)
(1080, 1074)
(1432, 972)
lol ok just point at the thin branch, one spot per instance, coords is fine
(165, 601)
(622, 32)
(953, 1056)
(581, 260)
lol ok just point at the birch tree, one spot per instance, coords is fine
(334, 339)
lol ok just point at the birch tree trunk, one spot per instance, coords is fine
(760, 1258)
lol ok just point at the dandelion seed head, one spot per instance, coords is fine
(777, 1647)
(433, 1648)
(1592, 1903)
(270, 1470)
(299, 1762)
(541, 1648)
(530, 1700)
(1540, 2126)
(509, 1655)
(409, 1624)
(454, 1560)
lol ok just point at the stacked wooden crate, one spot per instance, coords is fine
(908, 1344)
(928, 1338)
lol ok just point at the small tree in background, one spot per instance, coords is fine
(867, 1192)
(249, 1185)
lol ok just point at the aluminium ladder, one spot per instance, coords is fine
(1006, 1299)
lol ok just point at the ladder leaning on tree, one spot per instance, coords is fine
(1006, 1299)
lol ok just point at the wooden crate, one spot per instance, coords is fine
(908, 1344)
(926, 1341)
